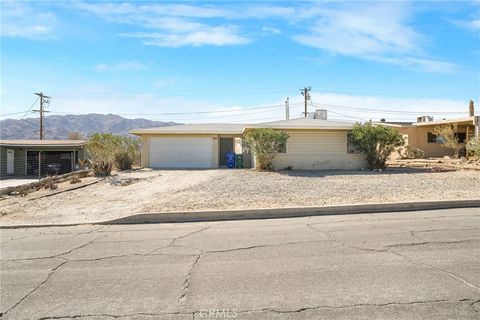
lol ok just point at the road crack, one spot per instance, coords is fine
(50, 274)
(186, 283)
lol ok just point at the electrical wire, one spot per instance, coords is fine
(29, 109)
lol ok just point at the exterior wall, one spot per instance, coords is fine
(318, 150)
(20, 157)
(18, 162)
(417, 138)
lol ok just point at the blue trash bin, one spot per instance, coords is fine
(231, 160)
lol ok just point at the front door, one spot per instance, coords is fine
(10, 161)
(226, 145)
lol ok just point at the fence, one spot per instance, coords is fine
(39, 163)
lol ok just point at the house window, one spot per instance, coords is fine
(282, 148)
(433, 138)
(351, 147)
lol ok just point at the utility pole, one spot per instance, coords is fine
(287, 109)
(306, 94)
(43, 100)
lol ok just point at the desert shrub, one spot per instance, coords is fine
(449, 138)
(414, 153)
(265, 143)
(473, 148)
(101, 168)
(106, 150)
(123, 160)
(377, 142)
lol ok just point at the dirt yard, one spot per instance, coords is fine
(184, 190)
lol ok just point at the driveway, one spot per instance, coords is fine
(13, 182)
(410, 265)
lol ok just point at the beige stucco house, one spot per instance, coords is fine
(314, 144)
(420, 134)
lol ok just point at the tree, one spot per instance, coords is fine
(448, 134)
(106, 150)
(377, 142)
(265, 143)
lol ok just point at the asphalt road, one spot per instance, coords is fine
(411, 265)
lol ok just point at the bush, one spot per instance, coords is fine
(378, 142)
(102, 168)
(414, 153)
(123, 160)
(106, 150)
(449, 137)
(265, 143)
(473, 148)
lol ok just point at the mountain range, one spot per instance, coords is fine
(58, 127)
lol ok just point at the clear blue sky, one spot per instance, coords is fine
(149, 57)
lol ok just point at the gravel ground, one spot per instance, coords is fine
(178, 190)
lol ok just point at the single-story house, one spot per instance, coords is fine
(420, 134)
(314, 143)
(21, 157)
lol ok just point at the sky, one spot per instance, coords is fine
(238, 61)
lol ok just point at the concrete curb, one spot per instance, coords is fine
(278, 213)
(272, 213)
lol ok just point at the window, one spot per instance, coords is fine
(433, 138)
(282, 148)
(351, 147)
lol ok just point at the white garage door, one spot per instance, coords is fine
(180, 152)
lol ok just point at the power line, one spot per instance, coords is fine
(360, 109)
(11, 114)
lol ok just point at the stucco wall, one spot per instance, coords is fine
(417, 138)
(318, 150)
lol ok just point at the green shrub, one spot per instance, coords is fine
(377, 142)
(123, 160)
(473, 148)
(106, 150)
(414, 153)
(265, 143)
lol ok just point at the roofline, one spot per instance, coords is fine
(140, 133)
(396, 125)
(43, 145)
(446, 121)
(301, 128)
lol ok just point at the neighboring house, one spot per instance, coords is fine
(314, 143)
(420, 134)
(21, 157)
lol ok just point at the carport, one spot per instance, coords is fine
(39, 157)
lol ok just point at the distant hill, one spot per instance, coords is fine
(58, 127)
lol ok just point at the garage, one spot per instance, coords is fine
(181, 152)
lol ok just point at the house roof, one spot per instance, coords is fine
(43, 143)
(466, 120)
(194, 128)
(230, 128)
(304, 123)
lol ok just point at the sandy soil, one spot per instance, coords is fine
(181, 190)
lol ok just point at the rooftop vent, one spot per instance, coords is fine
(424, 119)
(320, 114)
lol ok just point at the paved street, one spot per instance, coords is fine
(411, 265)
